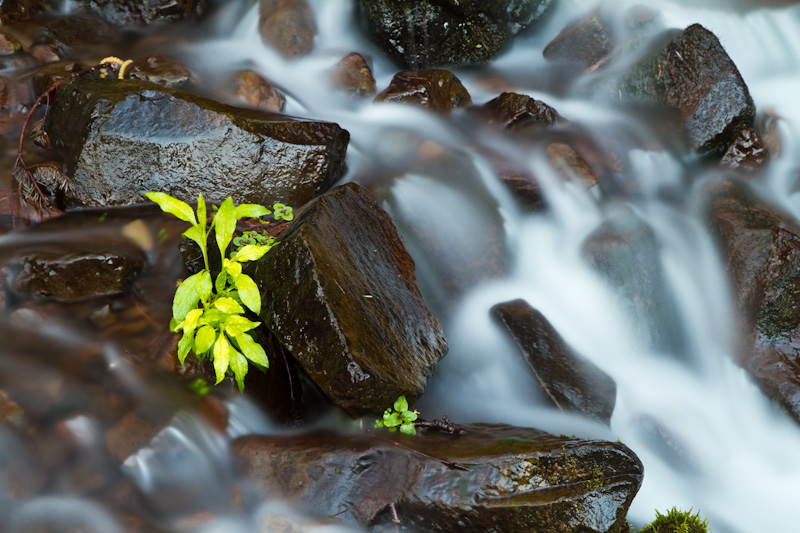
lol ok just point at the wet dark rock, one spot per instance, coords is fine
(571, 165)
(760, 247)
(445, 33)
(9, 44)
(12, 11)
(75, 275)
(159, 70)
(142, 12)
(353, 74)
(288, 26)
(588, 42)
(69, 32)
(122, 138)
(626, 253)
(254, 91)
(340, 293)
(15, 100)
(694, 75)
(518, 112)
(570, 381)
(438, 90)
(47, 75)
(511, 479)
(746, 153)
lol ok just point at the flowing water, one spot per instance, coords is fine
(708, 438)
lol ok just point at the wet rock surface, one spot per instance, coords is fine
(437, 90)
(693, 74)
(518, 113)
(444, 33)
(625, 251)
(760, 247)
(587, 42)
(570, 381)
(73, 276)
(340, 293)
(288, 26)
(142, 12)
(354, 75)
(254, 91)
(159, 70)
(747, 153)
(509, 479)
(15, 100)
(12, 11)
(122, 138)
(70, 33)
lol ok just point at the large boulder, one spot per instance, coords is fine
(571, 382)
(488, 478)
(692, 74)
(340, 293)
(760, 247)
(446, 33)
(123, 138)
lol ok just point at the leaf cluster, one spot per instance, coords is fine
(399, 417)
(210, 313)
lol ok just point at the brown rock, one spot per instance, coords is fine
(438, 90)
(15, 100)
(340, 293)
(9, 44)
(569, 163)
(256, 92)
(746, 153)
(588, 42)
(570, 381)
(288, 26)
(352, 74)
(518, 112)
(159, 70)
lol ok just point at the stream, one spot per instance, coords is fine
(708, 438)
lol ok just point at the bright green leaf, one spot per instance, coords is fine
(174, 325)
(282, 212)
(196, 234)
(222, 356)
(219, 283)
(401, 404)
(251, 211)
(251, 252)
(408, 416)
(186, 297)
(239, 367)
(204, 285)
(214, 317)
(226, 224)
(237, 324)
(201, 211)
(252, 350)
(184, 345)
(190, 322)
(232, 267)
(378, 424)
(204, 339)
(173, 206)
(392, 420)
(408, 429)
(228, 305)
(248, 292)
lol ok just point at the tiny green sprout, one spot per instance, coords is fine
(676, 521)
(210, 313)
(280, 211)
(199, 387)
(102, 217)
(399, 418)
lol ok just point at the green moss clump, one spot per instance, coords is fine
(676, 521)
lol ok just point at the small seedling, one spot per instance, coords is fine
(399, 418)
(211, 315)
(676, 521)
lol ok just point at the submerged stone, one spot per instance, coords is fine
(288, 26)
(760, 247)
(340, 293)
(505, 479)
(142, 12)
(570, 381)
(446, 33)
(518, 112)
(123, 138)
(70, 276)
(353, 74)
(437, 90)
(254, 91)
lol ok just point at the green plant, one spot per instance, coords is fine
(251, 237)
(399, 418)
(676, 521)
(211, 315)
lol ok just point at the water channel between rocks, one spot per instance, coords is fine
(708, 438)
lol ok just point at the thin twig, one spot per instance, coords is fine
(395, 517)
(445, 462)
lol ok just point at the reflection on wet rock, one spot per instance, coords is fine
(437, 90)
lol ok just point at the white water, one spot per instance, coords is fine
(738, 454)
